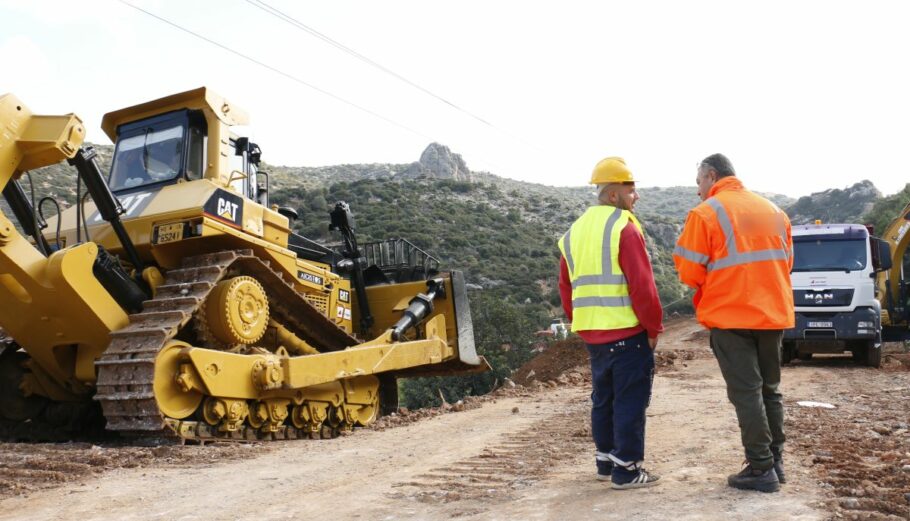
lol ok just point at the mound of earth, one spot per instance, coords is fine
(555, 360)
(571, 356)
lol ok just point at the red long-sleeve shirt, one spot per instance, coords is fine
(636, 266)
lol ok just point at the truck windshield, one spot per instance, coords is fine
(829, 255)
(149, 157)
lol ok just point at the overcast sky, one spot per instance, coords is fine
(801, 95)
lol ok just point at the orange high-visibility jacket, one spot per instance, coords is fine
(737, 252)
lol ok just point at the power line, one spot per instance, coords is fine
(260, 4)
(303, 27)
(279, 71)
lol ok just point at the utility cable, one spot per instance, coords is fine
(290, 76)
(260, 4)
(334, 43)
(279, 71)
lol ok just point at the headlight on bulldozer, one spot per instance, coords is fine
(176, 231)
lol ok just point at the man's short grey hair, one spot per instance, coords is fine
(606, 186)
(719, 163)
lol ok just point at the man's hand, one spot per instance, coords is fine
(652, 342)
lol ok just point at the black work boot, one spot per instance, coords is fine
(779, 470)
(754, 479)
(779, 465)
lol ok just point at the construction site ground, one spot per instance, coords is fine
(522, 453)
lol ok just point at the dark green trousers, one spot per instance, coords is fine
(749, 360)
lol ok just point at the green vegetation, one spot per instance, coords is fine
(886, 209)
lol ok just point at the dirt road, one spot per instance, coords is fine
(525, 456)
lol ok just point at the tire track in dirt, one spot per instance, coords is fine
(520, 460)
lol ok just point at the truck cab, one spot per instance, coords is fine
(834, 293)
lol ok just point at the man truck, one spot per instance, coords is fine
(837, 304)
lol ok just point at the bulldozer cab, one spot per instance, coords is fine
(171, 148)
(157, 151)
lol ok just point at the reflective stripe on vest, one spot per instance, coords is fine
(734, 257)
(606, 275)
(600, 295)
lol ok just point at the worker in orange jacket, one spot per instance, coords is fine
(736, 251)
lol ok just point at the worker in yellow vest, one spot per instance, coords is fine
(608, 292)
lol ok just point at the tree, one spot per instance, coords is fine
(886, 209)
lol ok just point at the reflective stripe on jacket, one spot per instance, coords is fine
(736, 250)
(600, 292)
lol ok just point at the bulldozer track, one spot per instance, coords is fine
(126, 370)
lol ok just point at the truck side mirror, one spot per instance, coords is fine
(884, 256)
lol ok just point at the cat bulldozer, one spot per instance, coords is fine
(171, 301)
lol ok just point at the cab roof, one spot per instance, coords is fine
(843, 230)
(202, 98)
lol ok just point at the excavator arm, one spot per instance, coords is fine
(891, 285)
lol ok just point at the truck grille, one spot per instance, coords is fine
(822, 298)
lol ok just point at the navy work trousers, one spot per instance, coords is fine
(622, 374)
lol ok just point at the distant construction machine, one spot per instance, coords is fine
(893, 283)
(175, 297)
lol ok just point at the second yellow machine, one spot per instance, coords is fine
(177, 298)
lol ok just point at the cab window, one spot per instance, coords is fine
(148, 157)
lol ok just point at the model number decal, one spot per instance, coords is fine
(133, 205)
(309, 277)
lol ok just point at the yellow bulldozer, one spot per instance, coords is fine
(173, 295)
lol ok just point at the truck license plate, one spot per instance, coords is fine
(170, 232)
(821, 324)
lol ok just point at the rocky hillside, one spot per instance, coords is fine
(848, 205)
(502, 232)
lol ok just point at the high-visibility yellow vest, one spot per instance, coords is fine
(600, 292)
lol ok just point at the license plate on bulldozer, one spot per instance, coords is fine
(169, 233)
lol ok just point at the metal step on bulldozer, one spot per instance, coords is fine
(172, 301)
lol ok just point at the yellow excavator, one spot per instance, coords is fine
(892, 286)
(175, 297)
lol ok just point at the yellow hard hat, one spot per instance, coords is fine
(611, 170)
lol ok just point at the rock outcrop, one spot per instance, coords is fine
(438, 162)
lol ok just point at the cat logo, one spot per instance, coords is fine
(225, 207)
(133, 205)
(344, 295)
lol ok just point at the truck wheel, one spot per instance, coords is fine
(858, 349)
(873, 356)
